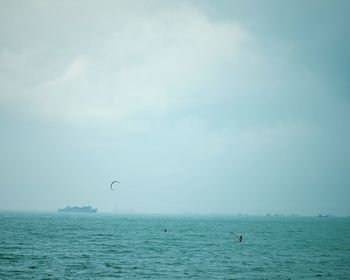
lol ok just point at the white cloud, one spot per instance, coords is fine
(146, 63)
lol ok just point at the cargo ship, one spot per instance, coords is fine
(84, 209)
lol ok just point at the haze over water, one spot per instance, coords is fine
(194, 106)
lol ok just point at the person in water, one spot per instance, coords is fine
(240, 238)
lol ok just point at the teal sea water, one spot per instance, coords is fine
(102, 246)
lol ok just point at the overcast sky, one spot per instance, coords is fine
(194, 106)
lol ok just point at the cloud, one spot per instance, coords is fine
(147, 63)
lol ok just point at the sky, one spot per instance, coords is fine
(194, 106)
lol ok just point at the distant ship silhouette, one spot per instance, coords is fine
(84, 209)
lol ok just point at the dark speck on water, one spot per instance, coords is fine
(101, 246)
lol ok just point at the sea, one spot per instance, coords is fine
(111, 246)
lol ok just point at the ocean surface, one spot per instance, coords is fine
(107, 246)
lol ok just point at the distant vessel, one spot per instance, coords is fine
(84, 209)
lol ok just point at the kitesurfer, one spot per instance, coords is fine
(238, 238)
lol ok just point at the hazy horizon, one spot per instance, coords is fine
(127, 213)
(194, 106)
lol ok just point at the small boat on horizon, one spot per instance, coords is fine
(75, 209)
